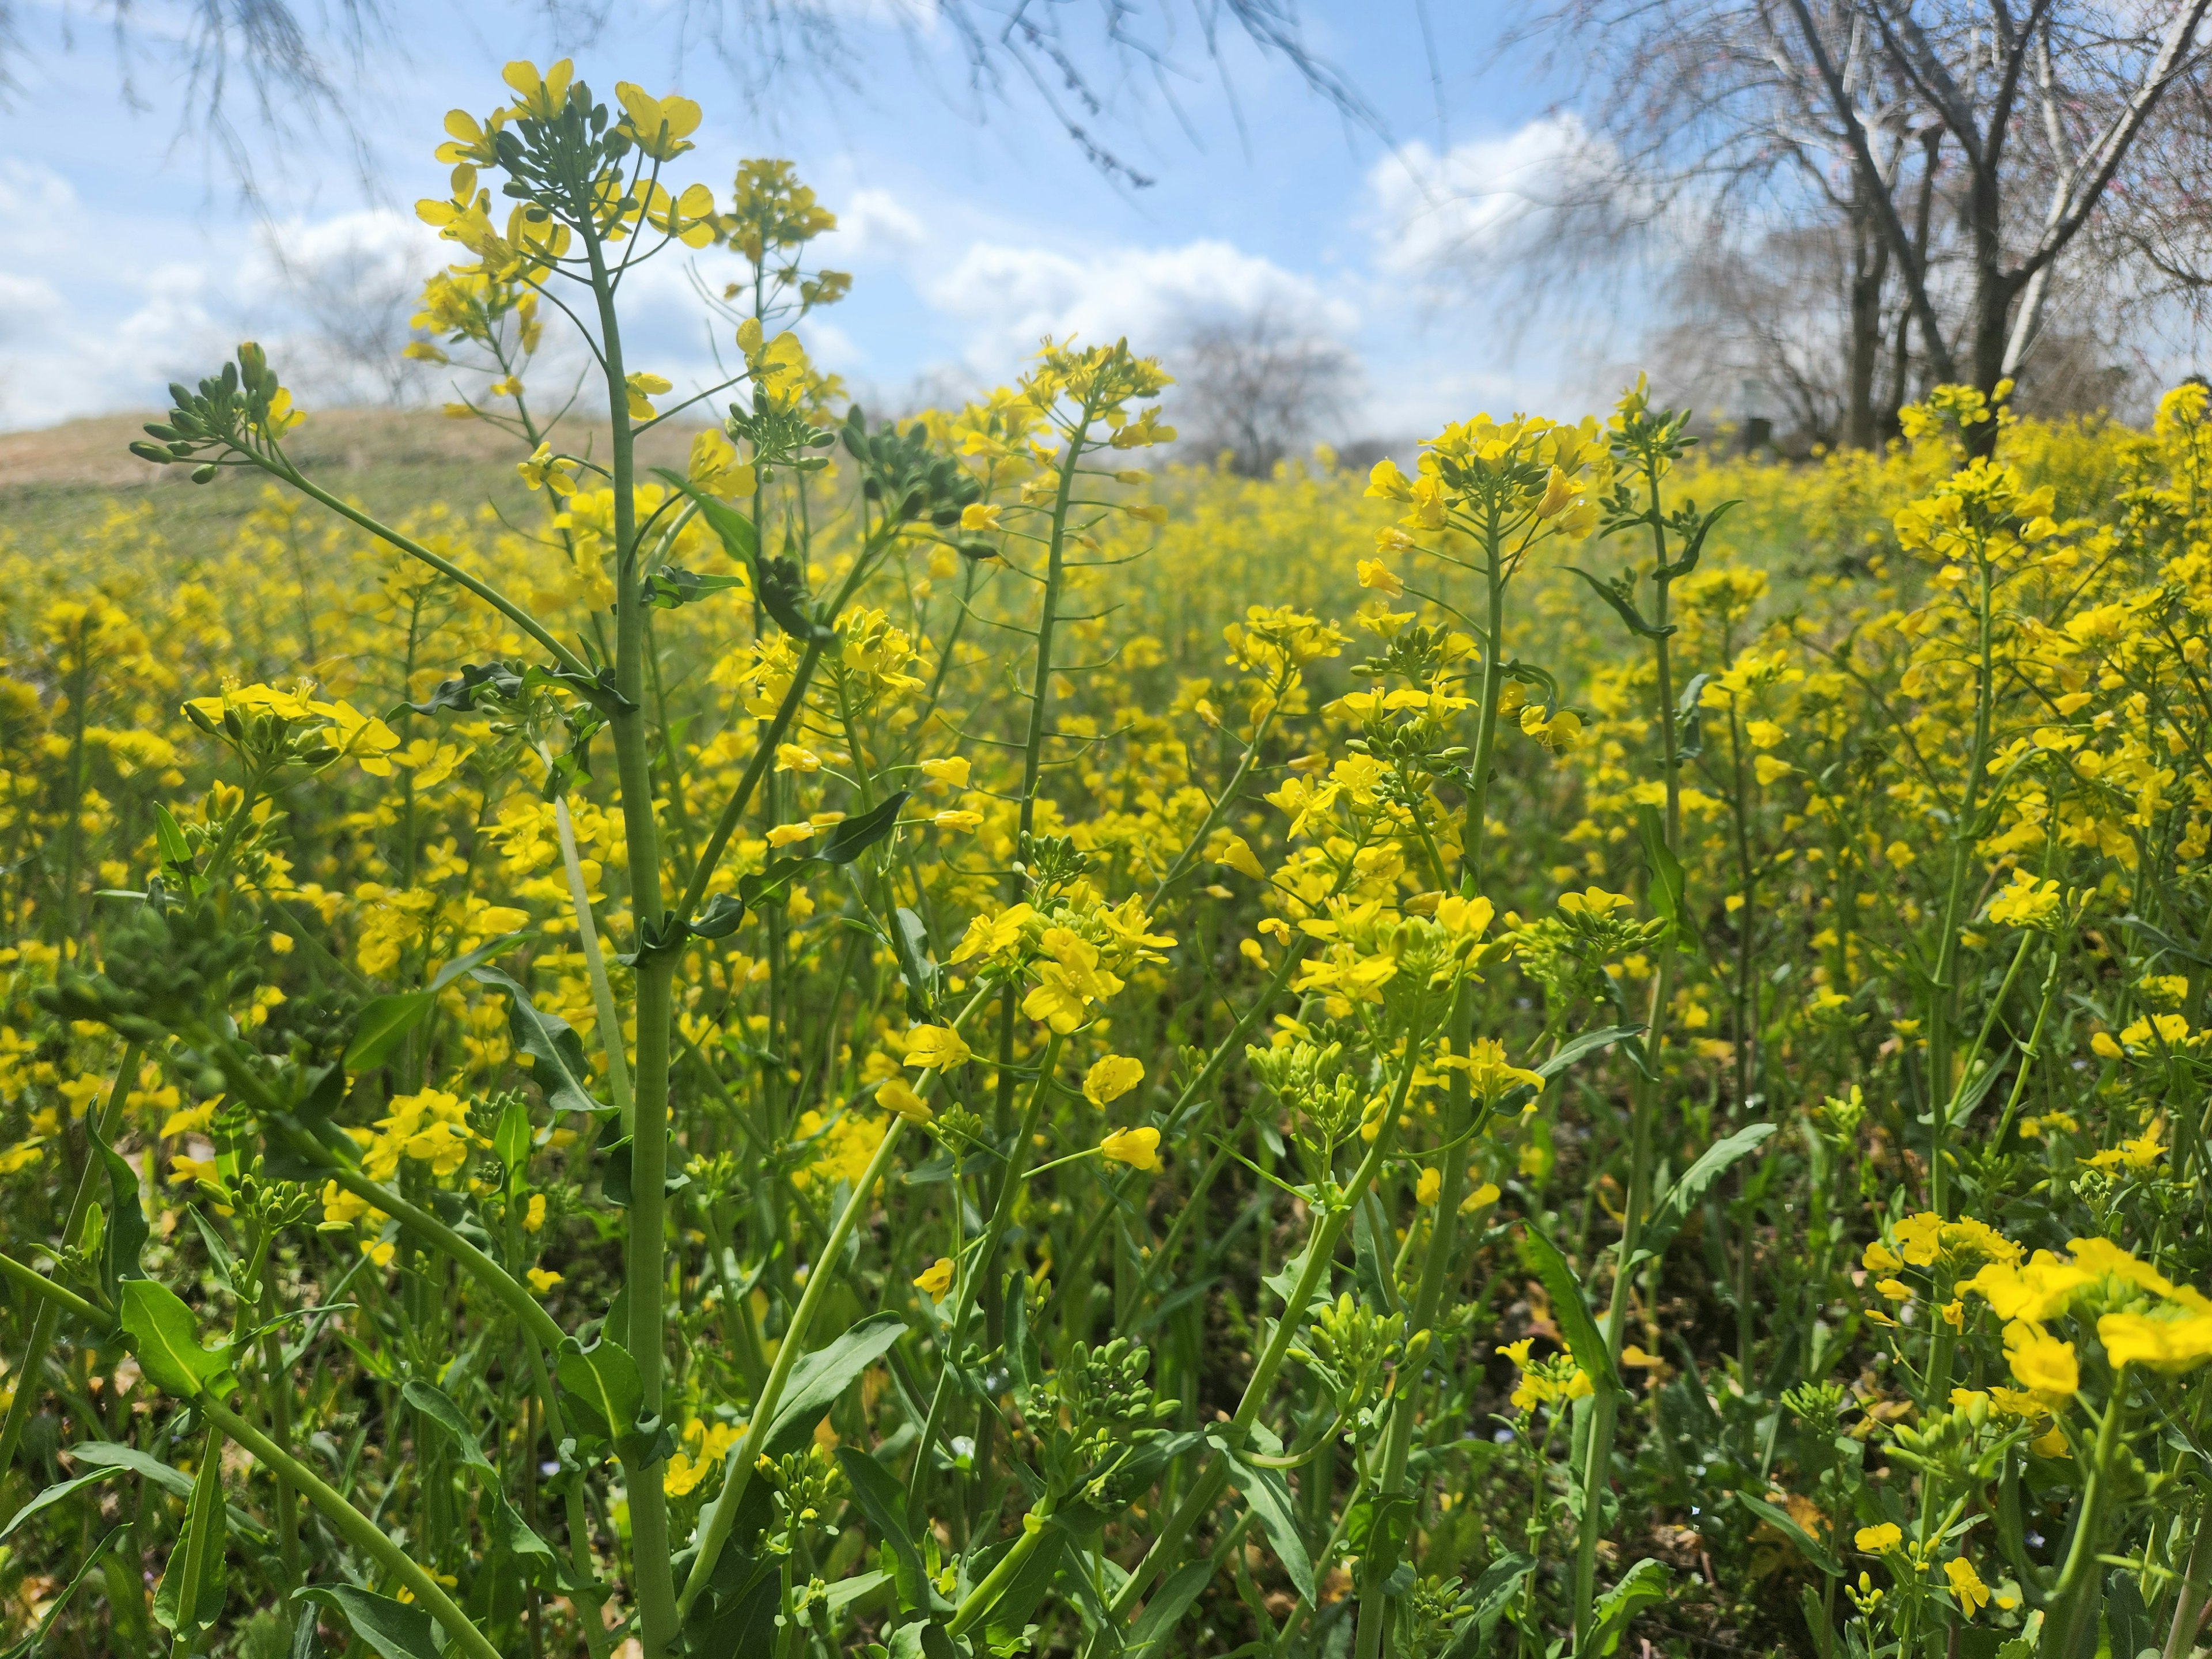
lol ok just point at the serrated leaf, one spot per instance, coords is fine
(165, 1336)
(395, 1629)
(1674, 1207)
(1643, 1583)
(1571, 1310)
(1624, 607)
(554, 1051)
(1491, 1594)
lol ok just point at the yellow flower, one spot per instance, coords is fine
(2043, 1365)
(1966, 1585)
(1481, 1199)
(961, 820)
(893, 1095)
(1138, 1148)
(1374, 574)
(542, 1279)
(2179, 1342)
(1879, 1540)
(936, 1278)
(980, 515)
(683, 1474)
(951, 773)
(534, 1218)
(1238, 856)
(936, 1048)
(1429, 1187)
(791, 758)
(659, 127)
(1110, 1078)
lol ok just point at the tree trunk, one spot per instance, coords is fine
(1869, 274)
(1995, 288)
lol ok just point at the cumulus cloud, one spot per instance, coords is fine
(1011, 297)
(1478, 203)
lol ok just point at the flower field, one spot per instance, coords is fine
(939, 1038)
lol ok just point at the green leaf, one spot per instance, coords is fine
(1619, 594)
(1674, 1208)
(114, 1455)
(126, 1230)
(474, 959)
(555, 1052)
(818, 1380)
(511, 1140)
(1780, 1519)
(604, 1382)
(226, 1264)
(880, 1496)
(1665, 891)
(1643, 1584)
(166, 1338)
(520, 1539)
(1571, 1310)
(394, 1629)
(1269, 1495)
(850, 838)
(384, 1021)
(672, 586)
(1521, 1093)
(436, 1405)
(61, 1492)
(204, 1531)
(1491, 1594)
(1165, 1608)
(496, 682)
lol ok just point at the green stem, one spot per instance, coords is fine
(48, 1316)
(985, 1596)
(2076, 1594)
(354, 1526)
(1320, 1249)
(1942, 992)
(714, 1529)
(603, 995)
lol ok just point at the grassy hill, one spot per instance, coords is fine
(59, 480)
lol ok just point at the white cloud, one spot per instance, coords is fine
(873, 224)
(1013, 296)
(1476, 202)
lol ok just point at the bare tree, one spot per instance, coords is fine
(1257, 388)
(1959, 149)
(296, 62)
(354, 289)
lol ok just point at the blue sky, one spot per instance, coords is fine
(135, 257)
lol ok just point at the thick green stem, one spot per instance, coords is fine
(2077, 1596)
(2189, 1602)
(985, 1596)
(356, 1529)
